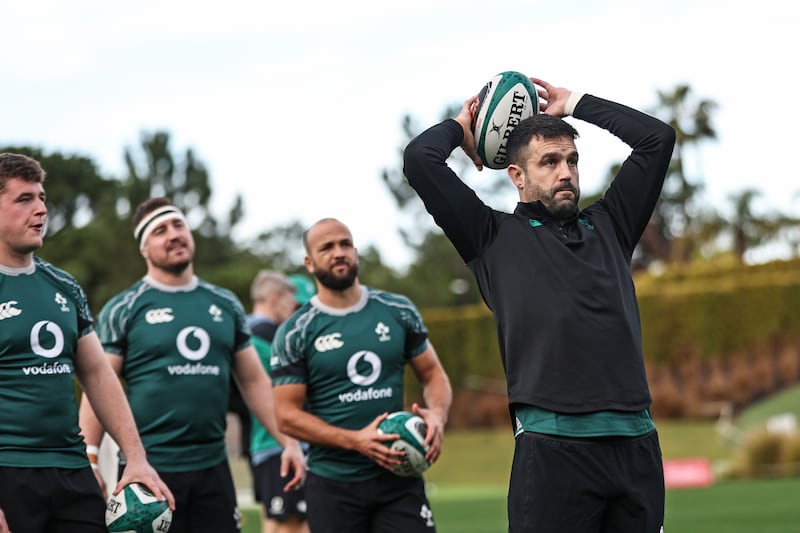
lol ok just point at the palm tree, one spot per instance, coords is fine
(673, 229)
(749, 230)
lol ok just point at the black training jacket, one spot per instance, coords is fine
(561, 293)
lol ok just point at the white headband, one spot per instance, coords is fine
(153, 219)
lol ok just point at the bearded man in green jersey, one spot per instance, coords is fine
(337, 365)
(176, 340)
(47, 340)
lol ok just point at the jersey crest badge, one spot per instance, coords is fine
(60, 300)
(382, 330)
(215, 312)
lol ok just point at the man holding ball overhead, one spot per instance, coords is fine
(558, 280)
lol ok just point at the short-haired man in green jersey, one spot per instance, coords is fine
(176, 340)
(47, 341)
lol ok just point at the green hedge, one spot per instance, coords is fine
(698, 312)
(466, 340)
(718, 311)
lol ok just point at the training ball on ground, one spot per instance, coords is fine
(503, 102)
(136, 510)
(411, 429)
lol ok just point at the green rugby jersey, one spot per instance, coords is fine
(177, 345)
(43, 313)
(351, 361)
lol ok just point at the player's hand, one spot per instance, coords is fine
(293, 460)
(553, 100)
(142, 472)
(3, 524)
(464, 118)
(435, 434)
(369, 442)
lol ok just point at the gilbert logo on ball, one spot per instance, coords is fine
(411, 429)
(503, 102)
(136, 510)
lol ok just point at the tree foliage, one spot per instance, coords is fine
(90, 233)
(89, 216)
(674, 223)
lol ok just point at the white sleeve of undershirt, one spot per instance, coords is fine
(572, 101)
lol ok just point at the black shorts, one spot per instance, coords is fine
(205, 500)
(569, 485)
(384, 504)
(268, 483)
(52, 500)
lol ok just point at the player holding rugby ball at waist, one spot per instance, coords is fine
(176, 340)
(558, 280)
(338, 368)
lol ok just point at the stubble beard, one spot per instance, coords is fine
(173, 268)
(176, 269)
(560, 209)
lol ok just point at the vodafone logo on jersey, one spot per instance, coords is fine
(364, 369)
(47, 340)
(193, 343)
(364, 379)
(51, 343)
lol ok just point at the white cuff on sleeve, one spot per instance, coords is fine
(572, 101)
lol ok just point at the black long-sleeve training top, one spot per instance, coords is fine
(561, 291)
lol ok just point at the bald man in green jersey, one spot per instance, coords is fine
(338, 366)
(46, 342)
(176, 340)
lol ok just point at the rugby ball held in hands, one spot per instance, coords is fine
(136, 510)
(503, 102)
(412, 430)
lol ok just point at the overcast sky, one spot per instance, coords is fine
(298, 105)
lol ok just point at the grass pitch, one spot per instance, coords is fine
(765, 506)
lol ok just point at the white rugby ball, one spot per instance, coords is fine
(136, 510)
(503, 102)
(412, 430)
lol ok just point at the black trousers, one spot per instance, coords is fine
(52, 500)
(205, 500)
(384, 504)
(586, 485)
